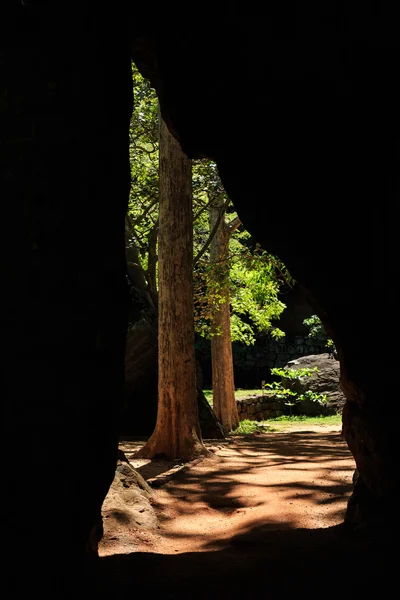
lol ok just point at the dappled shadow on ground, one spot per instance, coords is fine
(298, 445)
(154, 468)
(263, 518)
(263, 563)
(286, 469)
(308, 445)
(147, 468)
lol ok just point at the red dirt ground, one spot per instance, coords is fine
(264, 514)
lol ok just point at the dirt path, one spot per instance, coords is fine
(300, 479)
(262, 506)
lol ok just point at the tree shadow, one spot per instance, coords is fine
(222, 490)
(149, 468)
(270, 554)
(319, 563)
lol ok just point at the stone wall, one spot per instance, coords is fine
(268, 353)
(252, 364)
(259, 407)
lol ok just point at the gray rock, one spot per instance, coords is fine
(325, 381)
(126, 508)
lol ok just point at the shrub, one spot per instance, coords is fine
(284, 389)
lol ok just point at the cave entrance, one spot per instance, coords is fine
(319, 454)
(66, 102)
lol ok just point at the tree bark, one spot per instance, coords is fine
(224, 403)
(177, 432)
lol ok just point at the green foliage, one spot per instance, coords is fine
(254, 284)
(291, 396)
(143, 149)
(255, 276)
(247, 427)
(209, 396)
(142, 217)
(294, 374)
(318, 331)
(279, 391)
(254, 293)
(239, 393)
(313, 396)
(330, 345)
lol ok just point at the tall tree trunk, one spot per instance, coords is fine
(224, 403)
(177, 432)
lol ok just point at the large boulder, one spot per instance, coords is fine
(325, 381)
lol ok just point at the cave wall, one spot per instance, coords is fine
(293, 102)
(298, 105)
(65, 101)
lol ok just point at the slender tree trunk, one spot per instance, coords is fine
(224, 403)
(177, 432)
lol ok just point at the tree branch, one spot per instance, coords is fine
(138, 147)
(142, 215)
(201, 210)
(135, 271)
(233, 225)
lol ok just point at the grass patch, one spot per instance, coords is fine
(209, 395)
(287, 422)
(239, 394)
(247, 427)
(244, 393)
(321, 420)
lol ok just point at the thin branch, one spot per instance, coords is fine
(135, 271)
(137, 147)
(234, 224)
(132, 139)
(140, 218)
(130, 229)
(201, 210)
(139, 134)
